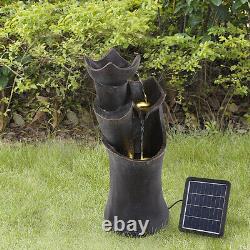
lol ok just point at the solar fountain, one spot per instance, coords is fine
(130, 116)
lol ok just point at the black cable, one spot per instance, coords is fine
(174, 204)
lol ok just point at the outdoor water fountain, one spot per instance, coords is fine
(130, 118)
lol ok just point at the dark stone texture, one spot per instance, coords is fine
(135, 182)
(112, 69)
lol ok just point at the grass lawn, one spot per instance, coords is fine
(52, 195)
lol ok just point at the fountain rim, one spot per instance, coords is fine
(88, 61)
(124, 110)
(159, 154)
(112, 86)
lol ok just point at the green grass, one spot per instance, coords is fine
(52, 195)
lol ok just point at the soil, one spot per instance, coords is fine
(29, 134)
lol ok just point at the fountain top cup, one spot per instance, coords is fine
(112, 69)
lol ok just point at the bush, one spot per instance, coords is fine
(42, 47)
(43, 44)
(203, 51)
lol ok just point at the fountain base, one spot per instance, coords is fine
(136, 192)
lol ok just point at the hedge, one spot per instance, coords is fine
(205, 71)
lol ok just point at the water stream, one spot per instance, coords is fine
(143, 106)
(143, 90)
(142, 134)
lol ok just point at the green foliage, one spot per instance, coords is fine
(187, 42)
(180, 57)
(196, 17)
(44, 44)
(4, 77)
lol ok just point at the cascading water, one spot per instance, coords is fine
(142, 133)
(142, 106)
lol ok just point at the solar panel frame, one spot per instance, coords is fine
(224, 208)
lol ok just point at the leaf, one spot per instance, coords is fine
(165, 3)
(42, 99)
(18, 119)
(3, 81)
(236, 5)
(5, 71)
(216, 2)
(194, 20)
(222, 13)
(232, 107)
(206, 38)
(179, 7)
(72, 117)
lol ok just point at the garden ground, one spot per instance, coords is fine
(52, 194)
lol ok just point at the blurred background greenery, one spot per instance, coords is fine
(198, 50)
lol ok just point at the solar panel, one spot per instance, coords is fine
(204, 206)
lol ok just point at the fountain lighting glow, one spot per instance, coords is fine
(143, 105)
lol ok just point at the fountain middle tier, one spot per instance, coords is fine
(116, 127)
(112, 97)
(148, 97)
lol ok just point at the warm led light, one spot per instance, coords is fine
(130, 155)
(142, 105)
(144, 158)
